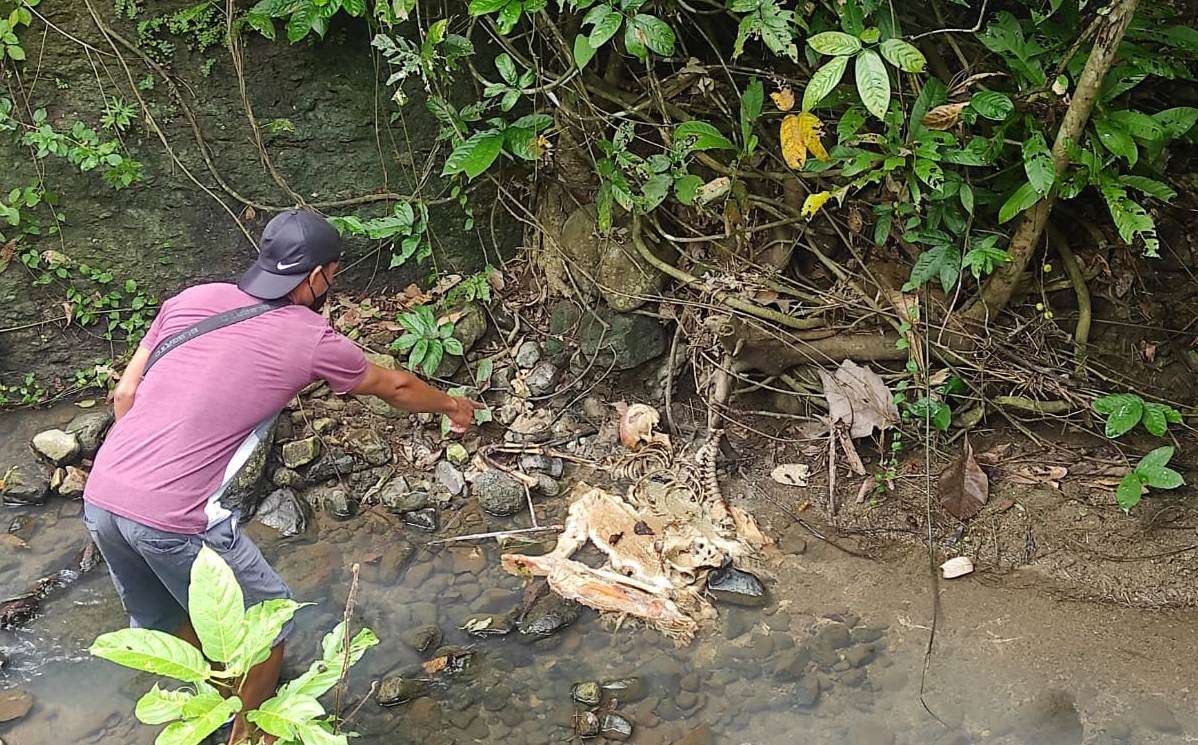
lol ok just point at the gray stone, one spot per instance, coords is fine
(26, 483)
(324, 425)
(448, 476)
(457, 454)
(835, 635)
(736, 587)
(792, 665)
(298, 453)
(333, 464)
(340, 505)
(807, 691)
(468, 329)
(625, 690)
(282, 511)
(396, 497)
(871, 733)
(623, 339)
(59, 448)
(90, 428)
(423, 639)
(555, 467)
(498, 493)
(379, 407)
(625, 279)
(862, 654)
(399, 690)
(615, 727)
(548, 615)
(586, 693)
(385, 361)
(542, 379)
(399, 552)
(286, 478)
(368, 445)
(425, 519)
(528, 355)
(547, 485)
(867, 634)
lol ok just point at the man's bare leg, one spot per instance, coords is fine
(259, 685)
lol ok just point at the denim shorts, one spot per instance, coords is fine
(151, 568)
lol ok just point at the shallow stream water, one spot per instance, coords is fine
(836, 656)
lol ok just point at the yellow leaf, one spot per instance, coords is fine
(800, 134)
(784, 98)
(814, 202)
(811, 128)
(794, 150)
(944, 117)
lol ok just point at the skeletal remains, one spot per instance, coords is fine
(661, 541)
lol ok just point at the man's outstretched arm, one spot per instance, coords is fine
(403, 390)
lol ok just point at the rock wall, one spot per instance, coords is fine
(324, 113)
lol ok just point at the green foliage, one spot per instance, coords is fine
(481, 416)
(238, 638)
(769, 21)
(83, 147)
(873, 80)
(1152, 471)
(200, 27)
(1123, 411)
(403, 232)
(427, 339)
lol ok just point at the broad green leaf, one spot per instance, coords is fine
(506, 67)
(481, 7)
(873, 83)
(1037, 163)
(655, 190)
(965, 194)
(356, 8)
(653, 33)
(605, 28)
(216, 606)
(508, 16)
(432, 360)
(405, 342)
(486, 367)
(521, 142)
(903, 55)
(1130, 217)
(261, 23)
(323, 674)
(1154, 419)
(1021, 199)
(751, 102)
(1129, 492)
(941, 261)
(313, 734)
(992, 105)
(583, 51)
(1138, 124)
(453, 346)
(1160, 477)
(823, 81)
(1157, 458)
(686, 187)
(704, 135)
(1125, 416)
(153, 652)
(1176, 122)
(159, 706)
(1111, 402)
(263, 623)
(419, 351)
(1115, 139)
(206, 712)
(279, 715)
(834, 43)
(474, 155)
(1151, 187)
(302, 21)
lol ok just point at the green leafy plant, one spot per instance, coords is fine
(873, 81)
(481, 416)
(1123, 411)
(82, 146)
(1152, 471)
(403, 231)
(302, 18)
(427, 341)
(233, 640)
(10, 44)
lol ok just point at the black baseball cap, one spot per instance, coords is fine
(293, 244)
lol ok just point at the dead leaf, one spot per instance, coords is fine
(249, 213)
(1036, 475)
(7, 251)
(1148, 350)
(994, 455)
(958, 566)
(478, 623)
(800, 134)
(69, 311)
(964, 486)
(713, 190)
(856, 221)
(791, 474)
(944, 117)
(435, 665)
(859, 398)
(783, 98)
(12, 542)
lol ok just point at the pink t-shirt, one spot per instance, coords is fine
(196, 412)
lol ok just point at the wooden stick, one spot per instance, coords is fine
(497, 534)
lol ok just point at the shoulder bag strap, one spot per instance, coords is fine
(212, 323)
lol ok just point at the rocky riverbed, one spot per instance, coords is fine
(471, 654)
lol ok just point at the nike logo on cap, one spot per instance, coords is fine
(284, 267)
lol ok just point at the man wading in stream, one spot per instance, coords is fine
(218, 364)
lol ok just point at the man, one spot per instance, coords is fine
(181, 434)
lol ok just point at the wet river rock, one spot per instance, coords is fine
(334, 463)
(282, 511)
(298, 453)
(399, 690)
(250, 484)
(498, 494)
(25, 483)
(14, 704)
(59, 448)
(587, 693)
(548, 615)
(731, 585)
(89, 429)
(425, 520)
(423, 639)
(340, 505)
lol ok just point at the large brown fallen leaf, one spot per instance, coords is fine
(859, 398)
(964, 487)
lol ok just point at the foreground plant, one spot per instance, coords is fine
(1152, 471)
(234, 639)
